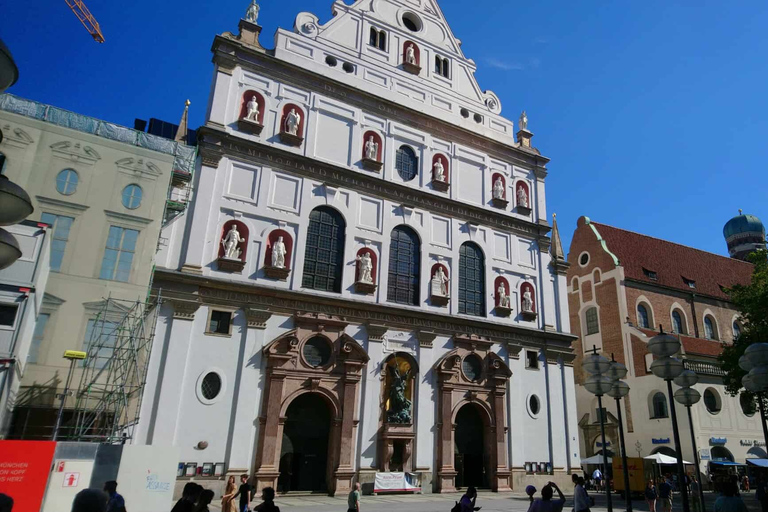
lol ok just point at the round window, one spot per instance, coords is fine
(66, 182)
(712, 401)
(412, 22)
(584, 259)
(317, 352)
(747, 403)
(211, 386)
(132, 196)
(534, 405)
(472, 367)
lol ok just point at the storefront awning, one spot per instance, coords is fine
(763, 463)
(725, 463)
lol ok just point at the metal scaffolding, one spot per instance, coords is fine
(108, 399)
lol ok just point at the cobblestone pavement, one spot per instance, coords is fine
(490, 502)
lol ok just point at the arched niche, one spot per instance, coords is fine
(439, 285)
(522, 197)
(364, 257)
(399, 377)
(499, 190)
(528, 309)
(440, 184)
(411, 65)
(247, 121)
(472, 374)
(237, 241)
(503, 302)
(292, 139)
(372, 159)
(272, 267)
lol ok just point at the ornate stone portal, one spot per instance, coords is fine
(399, 373)
(472, 375)
(317, 358)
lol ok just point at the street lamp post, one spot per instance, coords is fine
(619, 390)
(72, 356)
(599, 384)
(754, 361)
(666, 367)
(688, 396)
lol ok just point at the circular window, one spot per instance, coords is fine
(584, 259)
(478, 118)
(464, 113)
(472, 367)
(412, 22)
(211, 386)
(534, 405)
(712, 401)
(349, 68)
(747, 403)
(317, 352)
(331, 60)
(66, 182)
(132, 196)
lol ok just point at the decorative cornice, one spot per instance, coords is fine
(184, 309)
(75, 152)
(17, 137)
(376, 332)
(139, 166)
(48, 201)
(289, 302)
(125, 217)
(257, 318)
(213, 144)
(426, 338)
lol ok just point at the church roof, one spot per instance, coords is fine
(664, 263)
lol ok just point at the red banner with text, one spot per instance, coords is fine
(24, 470)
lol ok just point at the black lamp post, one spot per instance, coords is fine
(688, 396)
(599, 384)
(619, 390)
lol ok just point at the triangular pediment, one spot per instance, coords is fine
(75, 152)
(138, 166)
(16, 136)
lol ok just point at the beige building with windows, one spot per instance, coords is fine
(104, 189)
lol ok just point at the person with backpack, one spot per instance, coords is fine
(650, 496)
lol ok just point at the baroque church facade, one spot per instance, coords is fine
(365, 280)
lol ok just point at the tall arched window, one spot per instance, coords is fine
(471, 280)
(736, 330)
(709, 328)
(677, 323)
(324, 253)
(593, 327)
(404, 265)
(642, 316)
(407, 163)
(659, 405)
(378, 39)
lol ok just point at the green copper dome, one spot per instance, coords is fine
(742, 224)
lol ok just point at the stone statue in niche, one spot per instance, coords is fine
(278, 253)
(365, 268)
(252, 108)
(498, 188)
(504, 299)
(231, 242)
(399, 406)
(371, 149)
(440, 283)
(523, 121)
(522, 197)
(527, 301)
(292, 121)
(439, 171)
(410, 54)
(252, 14)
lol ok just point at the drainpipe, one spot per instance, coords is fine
(695, 321)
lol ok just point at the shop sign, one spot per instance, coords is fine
(704, 454)
(751, 442)
(718, 440)
(600, 444)
(660, 440)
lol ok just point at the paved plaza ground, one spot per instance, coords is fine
(490, 502)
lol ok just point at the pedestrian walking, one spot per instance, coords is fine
(695, 495)
(650, 496)
(581, 500)
(205, 499)
(546, 503)
(353, 500)
(244, 492)
(267, 501)
(597, 476)
(116, 502)
(665, 494)
(189, 496)
(729, 500)
(761, 493)
(228, 499)
(90, 500)
(468, 501)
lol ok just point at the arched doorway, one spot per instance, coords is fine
(304, 451)
(469, 450)
(720, 453)
(665, 450)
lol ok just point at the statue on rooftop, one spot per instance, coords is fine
(523, 121)
(252, 14)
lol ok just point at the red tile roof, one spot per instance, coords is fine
(673, 263)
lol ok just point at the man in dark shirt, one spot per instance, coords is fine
(116, 502)
(189, 497)
(244, 492)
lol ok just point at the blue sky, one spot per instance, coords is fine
(653, 113)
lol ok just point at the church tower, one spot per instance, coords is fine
(744, 234)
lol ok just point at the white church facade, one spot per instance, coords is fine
(365, 280)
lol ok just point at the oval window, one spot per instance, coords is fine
(534, 405)
(317, 352)
(211, 386)
(66, 182)
(412, 22)
(584, 259)
(747, 404)
(472, 367)
(712, 401)
(132, 196)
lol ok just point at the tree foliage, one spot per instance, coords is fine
(752, 303)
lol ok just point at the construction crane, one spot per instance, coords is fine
(87, 19)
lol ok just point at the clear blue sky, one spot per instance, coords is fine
(654, 113)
